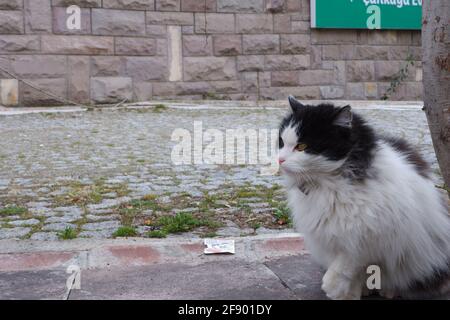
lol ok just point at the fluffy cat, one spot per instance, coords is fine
(363, 199)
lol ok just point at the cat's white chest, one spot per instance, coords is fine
(324, 210)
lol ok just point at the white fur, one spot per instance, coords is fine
(396, 219)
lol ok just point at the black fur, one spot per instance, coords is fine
(433, 286)
(317, 129)
(412, 156)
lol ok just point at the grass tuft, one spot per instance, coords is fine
(160, 108)
(125, 231)
(157, 234)
(282, 215)
(13, 210)
(181, 222)
(67, 234)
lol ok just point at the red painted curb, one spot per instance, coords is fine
(34, 261)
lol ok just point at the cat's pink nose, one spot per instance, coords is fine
(280, 160)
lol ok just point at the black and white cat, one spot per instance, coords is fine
(361, 199)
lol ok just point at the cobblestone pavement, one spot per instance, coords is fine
(86, 174)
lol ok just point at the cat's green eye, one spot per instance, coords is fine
(300, 147)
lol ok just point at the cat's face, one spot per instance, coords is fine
(314, 139)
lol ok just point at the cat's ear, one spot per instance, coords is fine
(295, 105)
(344, 117)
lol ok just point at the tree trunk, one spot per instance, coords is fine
(436, 78)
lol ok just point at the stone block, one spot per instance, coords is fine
(301, 26)
(249, 82)
(118, 22)
(214, 23)
(275, 6)
(339, 68)
(5, 63)
(293, 5)
(282, 23)
(295, 43)
(81, 3)
(332, 92)
(338, 52)
(167, 5)
(316, 57)
(360, 71)
(372, 52)
(111, 90)
(225, 86)
(389, 70)
(38, 16)
(9, 92)
(407, 91)
(78, 79)
(175, 53)
(197, 45)
(280, 93)
(142, 91)
(209, 68)
(135, 46)
(371, 90)
(316, 77)
(11, 4)
(227, 45)
(19, 44)
(161, 47)
(333, 36)
(11, 22)
(382, 37)
(198, 5)
(239, 6)
(254, 23)
(130, 4)
(156, 31)
(108, 66)
(355, 91)
(35, 98)
(250, 63)
(147, 68)
(261, 44)
(170, 18)
(77, 45)
(286, 62)
(39, 66)
(187, 29)
(404, 37)
(182, 88)
(285, 78)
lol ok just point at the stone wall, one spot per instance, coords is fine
(189, 49)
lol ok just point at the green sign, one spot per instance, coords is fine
(367, 14)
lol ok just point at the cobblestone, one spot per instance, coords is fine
(20, 223)
(44, 236)
(11, 233)
(58, 226)
(83, 169)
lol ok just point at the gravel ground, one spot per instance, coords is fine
(85, 174)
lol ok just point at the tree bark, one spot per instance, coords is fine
(436, 78)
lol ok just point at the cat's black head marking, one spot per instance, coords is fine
(335, 133)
